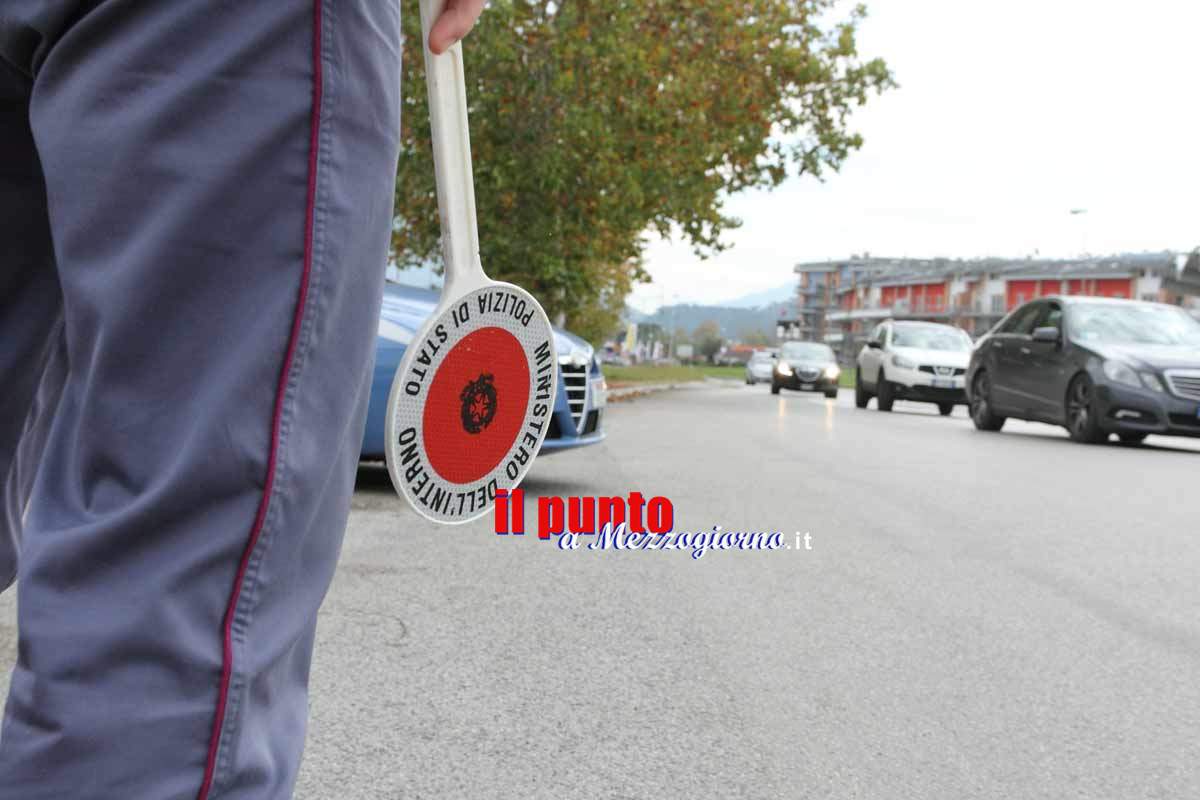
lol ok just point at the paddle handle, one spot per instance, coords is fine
(447, 85)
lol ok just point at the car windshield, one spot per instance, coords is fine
(758, 358)
(930, 338)
(1134, 324)
(807, 351)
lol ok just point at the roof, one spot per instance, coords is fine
(902, 270)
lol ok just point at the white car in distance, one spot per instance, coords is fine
(760, 366)
(921, 361)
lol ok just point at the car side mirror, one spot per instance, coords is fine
(874, 344)
(1048, 334)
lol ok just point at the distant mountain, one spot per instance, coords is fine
(780, 294)
(734, 322)
(752, 312)
(633, 315)
(757, 311)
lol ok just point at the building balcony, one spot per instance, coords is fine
(842, 315)
(908, 309)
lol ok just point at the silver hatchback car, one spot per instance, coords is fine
(759, 367)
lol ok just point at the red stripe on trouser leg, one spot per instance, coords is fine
(272, 458)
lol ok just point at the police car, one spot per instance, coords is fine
(579, 405)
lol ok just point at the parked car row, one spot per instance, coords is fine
(1096, 366)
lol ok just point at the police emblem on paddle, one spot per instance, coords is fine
(471, 401)
(478, 404)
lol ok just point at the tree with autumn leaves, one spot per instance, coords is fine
(595, 124)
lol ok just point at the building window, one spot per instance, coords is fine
(997, 304)
(1150, 298)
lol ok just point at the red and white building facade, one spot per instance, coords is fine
(840, 301)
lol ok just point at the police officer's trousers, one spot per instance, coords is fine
(195, 206)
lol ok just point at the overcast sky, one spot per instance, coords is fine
(1008, 116)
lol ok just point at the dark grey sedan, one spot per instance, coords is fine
(806, 367)
(1094, 366)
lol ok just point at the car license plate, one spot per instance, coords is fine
(807, 386)
(943, 383)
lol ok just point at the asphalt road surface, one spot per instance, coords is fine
(980, 616)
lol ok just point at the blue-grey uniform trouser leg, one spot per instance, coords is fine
(195, 206)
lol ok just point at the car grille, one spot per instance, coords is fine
(944, 372)
(1185, 421)
(807, 374)
(1184, 383)
(575, 378)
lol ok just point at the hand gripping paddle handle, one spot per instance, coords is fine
(451, 158)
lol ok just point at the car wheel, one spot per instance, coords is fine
(1083, 423)
(749, 381)
(831, 394)
(885, 397)
(945, 409)
(774, 387)
(1132, 438)
(861, 395)
(981, 405)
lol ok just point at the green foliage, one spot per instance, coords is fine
(754, 338)
(707, 337)
(596, 314)
(650, 332)
(656, 373)
(653, 373)
(594, 123)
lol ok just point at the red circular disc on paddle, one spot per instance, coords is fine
(476, 405)
(471, 402)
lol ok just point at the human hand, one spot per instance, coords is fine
(455, 22)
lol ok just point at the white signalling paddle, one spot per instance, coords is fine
(472, 399)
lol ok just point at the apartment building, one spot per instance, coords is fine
(840, 301)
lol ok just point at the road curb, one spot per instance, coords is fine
(619, 394)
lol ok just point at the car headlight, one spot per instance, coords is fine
(1152, 382)
(902, 363)
(784, 368)
(599, 392)
(1121, 372)
(832, 372)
